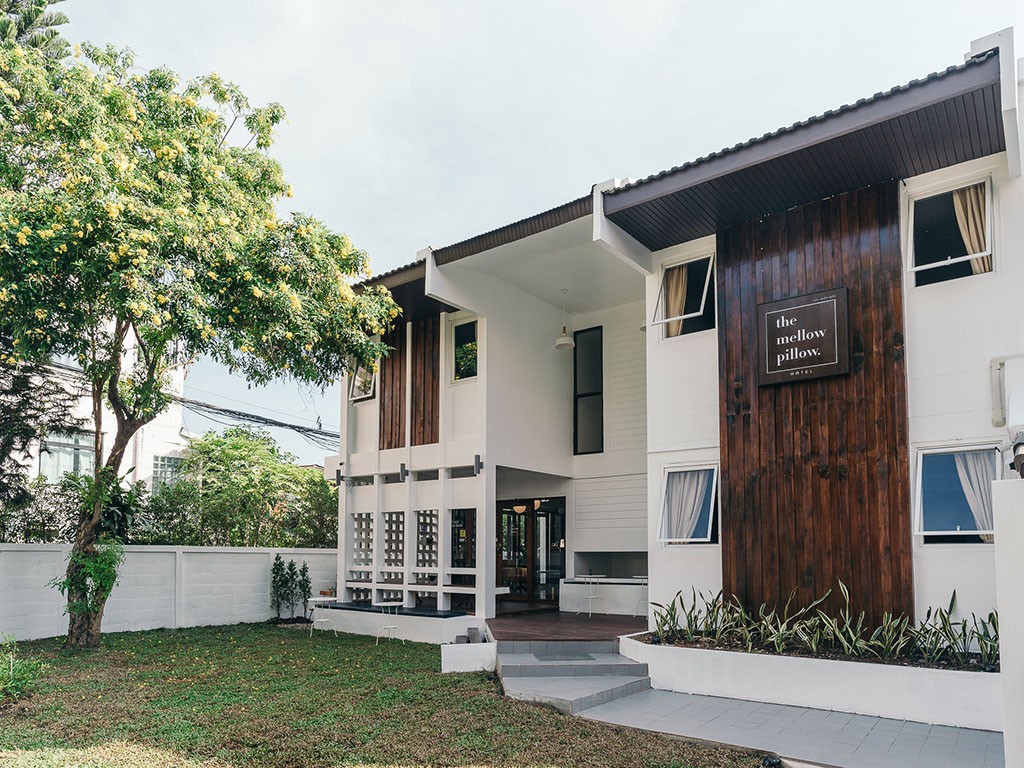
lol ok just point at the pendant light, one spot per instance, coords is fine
(564, 341)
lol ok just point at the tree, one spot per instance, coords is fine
(28, 23)
(278, 585)
(304, 587)
(139, 235)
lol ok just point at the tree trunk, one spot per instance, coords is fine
(84, 622)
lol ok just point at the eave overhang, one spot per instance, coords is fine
(947, 118)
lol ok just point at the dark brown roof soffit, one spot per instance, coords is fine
(946, 118)
(563, 214)
(398, 276)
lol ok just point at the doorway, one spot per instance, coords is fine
(531, 548)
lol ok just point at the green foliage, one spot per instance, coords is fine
(31, 24)
(92, 574)
(291, 587)
(304, 587)
(278, 585)
(940, 640)
(466, 360)
(240, 489)
(17, 674)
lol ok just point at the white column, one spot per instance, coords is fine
(179, 588)
(1008, 509)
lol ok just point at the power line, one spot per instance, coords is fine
(321, 438)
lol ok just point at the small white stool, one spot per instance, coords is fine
(312, 605)
(593, 592)
(388, 609)
(641, 604)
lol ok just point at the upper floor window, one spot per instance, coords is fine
(60, 454)
(588, 391)
(954, 490)
(686, 301)
(465, 350)
(951, 234)
(362, 383)
(689, 511)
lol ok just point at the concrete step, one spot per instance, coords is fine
(568, 664)
(575, 694)
(558, 646)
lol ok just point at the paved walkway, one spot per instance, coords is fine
(812, 735)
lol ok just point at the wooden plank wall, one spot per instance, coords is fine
(426, 379)
(815, 479)
(392, 390)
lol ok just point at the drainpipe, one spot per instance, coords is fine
(1011, 92)
(613, 238)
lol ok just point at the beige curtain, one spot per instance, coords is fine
(977, 472)
(675, 298)
(969, 203)
(684, 500)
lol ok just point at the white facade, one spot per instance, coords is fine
(661, 394)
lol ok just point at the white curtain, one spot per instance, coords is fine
(977, 472)
(969, 204)
(684, 498)
(675, 298)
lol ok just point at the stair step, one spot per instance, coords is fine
(572, 696)
(558, 646)
(563, 664)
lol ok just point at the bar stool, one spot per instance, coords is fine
(389, 610)
(641, 604)
(593, 592)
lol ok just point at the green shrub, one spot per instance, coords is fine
(17, 675)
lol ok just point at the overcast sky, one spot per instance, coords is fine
(425, 122)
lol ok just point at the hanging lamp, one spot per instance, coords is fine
(564, 341)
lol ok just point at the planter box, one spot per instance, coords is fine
(937, 696)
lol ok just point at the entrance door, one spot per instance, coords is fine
(531, 548)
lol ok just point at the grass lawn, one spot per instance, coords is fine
(258, 695)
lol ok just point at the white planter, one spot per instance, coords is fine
(469, 657)
(937, 696)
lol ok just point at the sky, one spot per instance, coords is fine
(415, 123)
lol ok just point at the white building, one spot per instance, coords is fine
(788, 370)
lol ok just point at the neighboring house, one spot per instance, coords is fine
(154, 454)
(784, 367)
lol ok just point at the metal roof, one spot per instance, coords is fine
(946, 118)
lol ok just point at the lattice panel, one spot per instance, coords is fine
(426, 538)
(394, 539)
(362, 539)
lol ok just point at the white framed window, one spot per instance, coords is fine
(362, 384)
(465, 350)
(689, 506)
(954, 493)
(686, 298)
(166, 470)
(61, 453)
(950, 233)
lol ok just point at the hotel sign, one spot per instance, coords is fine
(805, 337)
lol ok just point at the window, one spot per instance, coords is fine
(954, 491)
(950, 234)
(689, 511)
(362, 383)
(686, 301)
(465, 350)
(166, 470)
(63, 453)
(588, 392)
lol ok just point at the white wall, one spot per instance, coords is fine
(1008, 502)
(682, 425)
(157, 587)
(953, 330)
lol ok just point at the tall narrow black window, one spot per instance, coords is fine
(588, 392)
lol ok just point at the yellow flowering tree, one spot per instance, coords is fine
(141, 232)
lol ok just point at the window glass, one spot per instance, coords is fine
(465, 351)
(588, 391)
(362, 383)
(690, 506)
(166, 470)
(950, 235)
(63, 453)
(687, 303)
(956, 494)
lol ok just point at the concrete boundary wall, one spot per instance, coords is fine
(158, 586)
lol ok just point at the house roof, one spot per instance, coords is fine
(943, 119)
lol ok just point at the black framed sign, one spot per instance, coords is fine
(805, 337)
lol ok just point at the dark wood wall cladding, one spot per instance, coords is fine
(815, 480)
(392, 390)
(426, 379)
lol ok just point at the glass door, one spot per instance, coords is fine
(531, 548)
